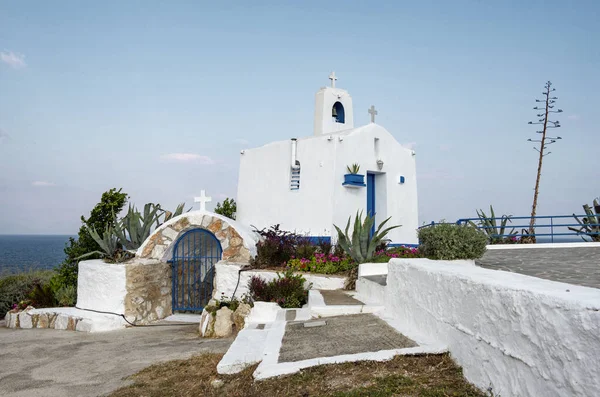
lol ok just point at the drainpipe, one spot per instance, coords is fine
(295, 165)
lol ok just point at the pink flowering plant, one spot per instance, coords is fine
(322, 263)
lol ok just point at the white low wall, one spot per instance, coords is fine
(522, 335)
(101, 286)
(227, 278)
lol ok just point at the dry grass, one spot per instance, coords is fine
(426, 376)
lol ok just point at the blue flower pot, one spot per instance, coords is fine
(354, 180)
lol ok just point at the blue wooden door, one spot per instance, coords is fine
(371, 197)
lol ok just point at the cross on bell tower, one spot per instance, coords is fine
(333, 79)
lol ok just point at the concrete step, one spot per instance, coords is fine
(337, 303)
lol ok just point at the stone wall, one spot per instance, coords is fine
(148, 295)
(238, 243)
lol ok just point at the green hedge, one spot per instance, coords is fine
(17, 287)
(448, 241)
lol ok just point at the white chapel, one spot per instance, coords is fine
(304, 183)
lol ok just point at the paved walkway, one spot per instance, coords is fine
(579, 266)
(44, 362)
(334, 336)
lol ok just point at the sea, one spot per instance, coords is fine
(31, 252)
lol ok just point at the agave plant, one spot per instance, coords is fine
(169, 215)
(134, 228)
(362, 244)
(109, 243)
(353, 169)
(590, 224)
(495, 232)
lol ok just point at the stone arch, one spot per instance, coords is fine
(238, 243)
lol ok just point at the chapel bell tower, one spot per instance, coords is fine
(333, 109)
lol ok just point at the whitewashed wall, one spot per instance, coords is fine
(264, 197)
(525, 336)
(226, 280)
(101, 286)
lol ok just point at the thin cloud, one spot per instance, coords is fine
(187, 158)
(42, 184)
(13, 59)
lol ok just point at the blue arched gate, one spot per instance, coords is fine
(194, 256)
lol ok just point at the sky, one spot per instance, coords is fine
(158, 98)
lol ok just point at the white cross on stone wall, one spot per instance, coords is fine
(373, 113)
(333, 79)
(202, 200)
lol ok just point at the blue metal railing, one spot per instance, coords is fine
(551, 226)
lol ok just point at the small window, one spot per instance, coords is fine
(337, 113)
(295, 177)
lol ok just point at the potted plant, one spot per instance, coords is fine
(353, 178)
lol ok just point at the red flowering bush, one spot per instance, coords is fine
(397, 252)
(287, 290)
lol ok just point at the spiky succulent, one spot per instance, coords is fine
(590, 224)
(353, 169)
(361, 244)
(109, 243)
(495, 232)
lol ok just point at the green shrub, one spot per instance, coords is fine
(66, 295)
(287, 290)
(101, 216)
(228, 208)
(447, 241)
(15, 288)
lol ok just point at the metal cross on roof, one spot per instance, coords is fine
(333, 79)
(373, 113)
(203, 199)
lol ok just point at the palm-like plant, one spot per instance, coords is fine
(495, 232)
(590, 224)
(361, 244)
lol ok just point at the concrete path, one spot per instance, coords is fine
(579, 266)
(335, 336)
(44, 362)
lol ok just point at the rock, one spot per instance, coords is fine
(239, 316)
(43, 321)
(25, 320)
(224, 323)
(207, 324)
(217, 383)
(11, 320)
(61, 322)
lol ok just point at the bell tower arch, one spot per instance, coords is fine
(333, 109)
